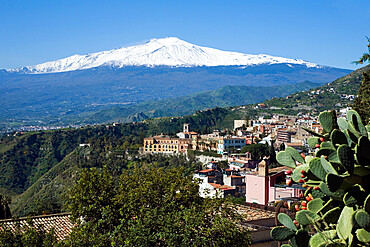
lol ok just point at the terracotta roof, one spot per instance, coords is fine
(207, 170)
(226, 187)
(190, 133)
(215, 185)
(279, 169)
(294, 144)
(61, 224)
(250, 213)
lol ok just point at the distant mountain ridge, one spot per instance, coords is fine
(158, 52)
(59, 92)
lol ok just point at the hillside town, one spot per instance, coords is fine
(243, 176)
(185, 123)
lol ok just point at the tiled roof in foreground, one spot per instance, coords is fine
(250, 214)
(60, 222)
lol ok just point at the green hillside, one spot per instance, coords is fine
(331, 96)
(185, 105)
(37, 167)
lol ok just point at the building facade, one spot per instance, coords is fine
(167, 145)
(226, 144)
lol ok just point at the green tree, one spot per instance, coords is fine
(257, 151)
(272, 152)
(366, 56)
(362, 101)
(150, 206)
(4, 208)
(28, 236)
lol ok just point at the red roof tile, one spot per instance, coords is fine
(207, 170)
(61, 224)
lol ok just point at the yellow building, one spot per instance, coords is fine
(164, 144)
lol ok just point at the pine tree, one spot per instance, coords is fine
(366, 56)
(362, 101)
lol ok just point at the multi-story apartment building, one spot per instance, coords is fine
(228, 143)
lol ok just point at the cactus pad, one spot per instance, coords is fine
(332, 215)
(337, 195)
(338, 138)
(355, 196)
(346, 157)
(333, 182)
(296, 175)
(286, 221)
(363, 235)
(367, 204)
(363, 219)
(326, 120)
(315, 205)
(306, 217)
(281, 233)
(302, 238)
(285, 159)
(354, 118)
(344, 226)
(295, 155)
(313, 141)
(342, 123)
(327, 145)
(321, 237)
(317, 169)
(364, 147)
(330, 153)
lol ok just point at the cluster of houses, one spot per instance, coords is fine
(244, 176)
(284, 129)
(259, 185)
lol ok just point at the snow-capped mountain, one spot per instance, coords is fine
(158, 69)
(159, 52)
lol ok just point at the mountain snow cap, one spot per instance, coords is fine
(170, 51)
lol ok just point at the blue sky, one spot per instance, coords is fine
(324, 32)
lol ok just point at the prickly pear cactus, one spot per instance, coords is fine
(335, 210)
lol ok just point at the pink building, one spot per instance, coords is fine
(266, 185)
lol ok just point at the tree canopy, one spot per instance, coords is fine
(257, 151)
(150, 206)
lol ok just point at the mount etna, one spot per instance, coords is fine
(64, 90)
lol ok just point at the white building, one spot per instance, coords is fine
(230, 143)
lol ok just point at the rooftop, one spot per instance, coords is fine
(250, 213)
(61, 224)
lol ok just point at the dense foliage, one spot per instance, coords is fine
(257, 151)
(336, 208)
(149, 206)
(28, 237)
(34, 163)
(4, 208)
(362, 101)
